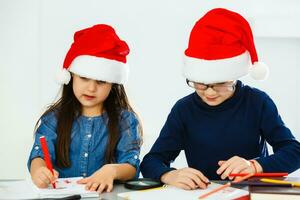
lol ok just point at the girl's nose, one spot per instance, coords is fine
(92, 85)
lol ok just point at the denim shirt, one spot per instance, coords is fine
(89, 137)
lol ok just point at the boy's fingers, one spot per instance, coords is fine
(238, 169)
(221, 162)
(230, 169)
(183, 186)
(200, 175)
(194, 177)
(225, 165)
(197, 180)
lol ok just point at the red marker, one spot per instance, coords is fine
(278, 174)
(47, 156)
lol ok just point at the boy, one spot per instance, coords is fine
(225, 125)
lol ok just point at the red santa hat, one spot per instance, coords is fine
(96, 53)
(221, 48)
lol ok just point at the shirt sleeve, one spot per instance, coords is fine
(286, 148)
(129, 144)
(46, 128)
(165, 149)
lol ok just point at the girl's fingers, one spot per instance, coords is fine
(109, 187)
(44, 177)
(88, 185)
(41, 183)
(83, 181)
(101, 188)
(94, 187)
(56, 174)
(49, 175)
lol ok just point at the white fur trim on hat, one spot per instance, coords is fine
(63, 76)
(99, 68)
(259, 71)
(216, 71)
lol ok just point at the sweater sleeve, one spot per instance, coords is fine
(286, 148)
(165, 149)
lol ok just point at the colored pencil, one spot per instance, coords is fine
(268, 180)
(277, 174)
(47, 156)
(228, 184)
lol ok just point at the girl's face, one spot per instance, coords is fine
(214, 94)
(91, 94)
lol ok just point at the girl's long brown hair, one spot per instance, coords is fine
(68, 108)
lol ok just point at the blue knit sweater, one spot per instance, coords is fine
(241, 126)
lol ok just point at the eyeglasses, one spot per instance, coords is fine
(218, 87)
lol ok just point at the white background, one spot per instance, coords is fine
(36, 34)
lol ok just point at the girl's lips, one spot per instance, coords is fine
(88, 97)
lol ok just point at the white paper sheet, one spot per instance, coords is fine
(174, 193)
(27, 190)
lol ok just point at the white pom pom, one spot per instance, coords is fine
(259, 71)
(63, 76)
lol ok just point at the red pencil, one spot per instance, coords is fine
(228, 184)
(47, 156)
(277, 174)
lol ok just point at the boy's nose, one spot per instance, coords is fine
(210, 91)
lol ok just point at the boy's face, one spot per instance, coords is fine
(215, 94)
(91, 94)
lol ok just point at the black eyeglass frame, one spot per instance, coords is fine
(209, 85)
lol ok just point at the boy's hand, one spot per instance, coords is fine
(101, 181)
(186, 178)
(236, 165)
(42, 177)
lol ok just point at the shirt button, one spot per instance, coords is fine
(135, 157)
(89, 118)
(86, 154)
(84, 174)
(89, 135)
(36, 147)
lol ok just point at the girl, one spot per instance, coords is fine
(91, 130)
(225, 125)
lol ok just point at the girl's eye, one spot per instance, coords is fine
(101, 82)
(83, 78)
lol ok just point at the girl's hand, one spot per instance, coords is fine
(102, 180)
(237, 165)
(42, 177)
(186, 178)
